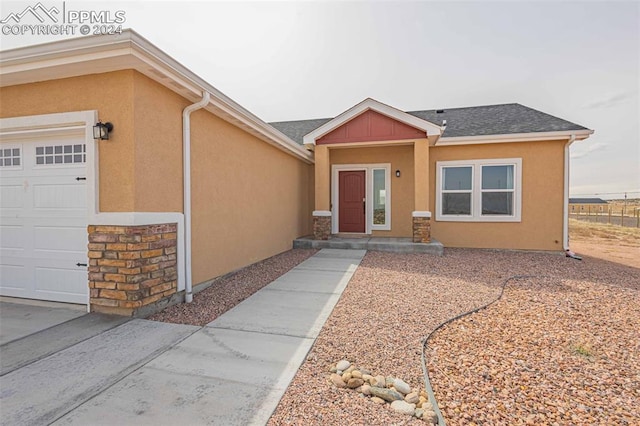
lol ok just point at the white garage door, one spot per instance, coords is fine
(43, 219)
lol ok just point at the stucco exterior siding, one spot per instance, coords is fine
(542, 198)
(402, 188)
(250, 200)
(112, 95)
(158, 147)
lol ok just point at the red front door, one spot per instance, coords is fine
(352, 205)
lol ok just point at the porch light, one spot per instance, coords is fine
(101, 130)
(397, 173)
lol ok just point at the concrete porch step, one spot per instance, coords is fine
(394, 245)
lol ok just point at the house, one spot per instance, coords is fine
(588, 205)
(107, 139)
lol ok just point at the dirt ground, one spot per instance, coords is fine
(607, 242)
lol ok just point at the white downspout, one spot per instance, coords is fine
(186, 161)
(565, 220)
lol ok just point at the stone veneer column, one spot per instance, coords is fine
(321, 225)
(131, 267)
(421, 226)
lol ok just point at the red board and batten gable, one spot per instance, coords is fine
(371, 126)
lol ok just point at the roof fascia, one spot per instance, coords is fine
(514, 137)
(129, 50)
(364, 106)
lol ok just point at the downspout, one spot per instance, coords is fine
(565, 219)
(186, 162)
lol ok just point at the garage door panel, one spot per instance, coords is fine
(58, 196)
(51, 279)
(69, 239)
(43, 222)
(12, 237)
(11, 196)
(14, 275)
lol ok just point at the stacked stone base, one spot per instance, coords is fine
(131, 268)
(321, 227)
(421, 229)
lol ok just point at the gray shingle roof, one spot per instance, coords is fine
(470, 121)
(587, 201)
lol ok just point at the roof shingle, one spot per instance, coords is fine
(469, 121)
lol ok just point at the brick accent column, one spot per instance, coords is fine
(421, 227)
(131, 266)
(321, 225)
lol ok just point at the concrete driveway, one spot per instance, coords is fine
(75, 368)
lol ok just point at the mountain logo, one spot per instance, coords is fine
(39, 11)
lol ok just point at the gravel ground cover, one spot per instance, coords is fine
(231, 289)
(563, 349)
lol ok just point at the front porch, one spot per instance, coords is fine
(389, 244)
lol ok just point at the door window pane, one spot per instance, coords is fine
(379, 197)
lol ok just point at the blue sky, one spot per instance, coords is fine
(295, 60)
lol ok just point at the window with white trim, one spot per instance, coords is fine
(10, 157)
(61, 154)
(479, 190)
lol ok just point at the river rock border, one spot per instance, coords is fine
(384, 389)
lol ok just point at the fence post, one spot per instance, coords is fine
(622, 218)
(609, 215)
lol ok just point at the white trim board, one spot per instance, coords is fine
(514, 137)
(335, 196)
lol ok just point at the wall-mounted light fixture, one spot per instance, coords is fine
(101, 130)
(397, 173)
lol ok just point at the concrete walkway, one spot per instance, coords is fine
(231, 372)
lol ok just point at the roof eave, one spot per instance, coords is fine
(129, 50)
(515, 137)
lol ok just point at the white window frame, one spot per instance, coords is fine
(21, 156)
(335, 198)
(476, 190)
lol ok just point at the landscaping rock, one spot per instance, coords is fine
(418, 413)
(412, 398)
(378, 400)
(354, 383)
(380, 382)
(337, 380)
(430, 416)
(343, 365)
(357, 374)
(386, 394)
(366, 389)
(403, 407)
(401, 386)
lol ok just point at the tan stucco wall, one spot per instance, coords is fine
(158, 148)
(542, 198)
(112, 95)
(402, 188)
(250, 200)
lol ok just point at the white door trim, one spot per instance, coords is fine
(335, 196)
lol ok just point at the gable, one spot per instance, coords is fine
(371, 126)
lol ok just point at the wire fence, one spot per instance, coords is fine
(621, 216)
